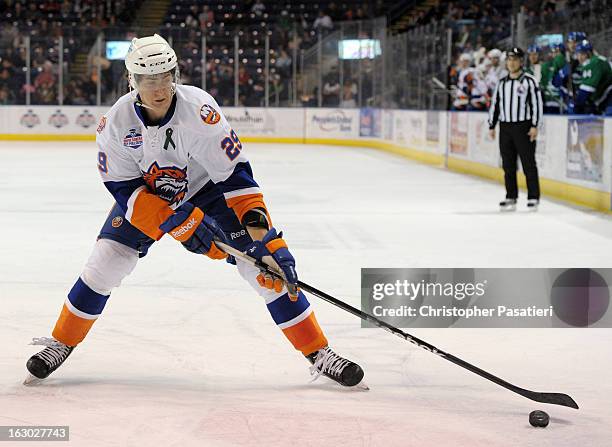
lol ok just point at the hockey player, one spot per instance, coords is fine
(574, 80)
(595, 92)
(553, 103)
(496, 71)
(175, 166)
(461, 98)
(534, 67)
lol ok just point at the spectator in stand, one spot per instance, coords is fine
(46, 76)
(310, 100)
(333, 12)
(193, 18)
(284, 24)
(244, 84)
(323, 23)
(257, 93)
(5, 76)
(5, 95)
(44, 85)
(283, 64)
(349, 94)
(331, 90)
(277, 90)
(258, 8)
(206, 17)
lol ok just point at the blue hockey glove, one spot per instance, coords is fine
(196, 231)
(272, 245)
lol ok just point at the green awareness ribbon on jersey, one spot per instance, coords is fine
(169, 141)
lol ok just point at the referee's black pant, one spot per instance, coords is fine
(513, 142)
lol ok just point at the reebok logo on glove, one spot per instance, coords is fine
(184, 228)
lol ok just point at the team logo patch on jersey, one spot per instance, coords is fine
(168, 182)
(209, 115)
(117, 221)
(133, 139)
(101, 125)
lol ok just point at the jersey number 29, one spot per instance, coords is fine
(231, 145)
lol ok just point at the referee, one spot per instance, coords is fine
(517, 105)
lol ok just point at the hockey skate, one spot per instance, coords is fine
(41, 365)
(532, 204)
(507, 205)
(326, 362)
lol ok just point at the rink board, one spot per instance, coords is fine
(573, 153)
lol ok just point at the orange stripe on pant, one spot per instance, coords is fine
(306, 336)
(70, 329)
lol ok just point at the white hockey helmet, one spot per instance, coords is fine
(494, 53)
(151, 55)
(467, 57)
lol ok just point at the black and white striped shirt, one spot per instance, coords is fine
(516, 100)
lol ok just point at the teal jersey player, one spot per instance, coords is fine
(596, 79)
(595, 92)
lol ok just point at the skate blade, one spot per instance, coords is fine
(361, 386)
(507, 209)
(32, 380)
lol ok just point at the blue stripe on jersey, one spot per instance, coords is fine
(85, 299)
(283, 309)
(122, 191)
(241, 178)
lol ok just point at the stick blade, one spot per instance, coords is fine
(552, 398)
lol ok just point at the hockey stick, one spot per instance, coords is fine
(547, 398)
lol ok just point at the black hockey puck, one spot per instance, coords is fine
(538, 418)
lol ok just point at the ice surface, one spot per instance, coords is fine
(186, 354)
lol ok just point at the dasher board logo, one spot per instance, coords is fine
(58, 119)
(254, 121)
(29, 119)
(133, 139)
(86, 119)
(332, 121)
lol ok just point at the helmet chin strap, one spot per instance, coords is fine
(134, 92)
(142, 104)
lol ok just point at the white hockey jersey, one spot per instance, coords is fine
(494, 74)
(151, 170)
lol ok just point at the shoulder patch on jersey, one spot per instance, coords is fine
(101, 125)
(209, 115)
(117, 221)
(168, 182)
(133, 139)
